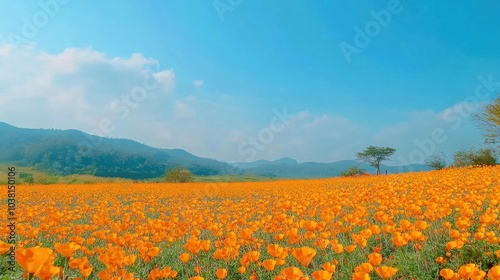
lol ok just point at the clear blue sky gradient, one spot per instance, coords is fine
(262, 55)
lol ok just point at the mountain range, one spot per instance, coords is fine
(290, 168)
(75, 152)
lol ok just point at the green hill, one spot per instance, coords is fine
(65, 152)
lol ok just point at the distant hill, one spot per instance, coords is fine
(290, 168)
(75, 152)
(64, 152)
(263, 162)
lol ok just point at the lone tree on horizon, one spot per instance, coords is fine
(374, 155)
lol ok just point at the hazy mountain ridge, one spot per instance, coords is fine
(75, 152)
(288, 168)
(72, 151)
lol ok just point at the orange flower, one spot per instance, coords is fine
(398, 240)
(269, 264)
(105, 275)
(221, 273)
(339, 248)
(47, 272)
(421, 225)
(4, 247)
(478, 275)
(304, 255)
(377, 249)
(279, 237)
(466, 271)
(329, 267)
(360, 276)
(275, 250)
(322, 243)
(281, 261)
(253, 256)
(364, 267)
(197, 278)
(292, 273)
(446, 273)
(75, 263)
(32, 259)
(366, 233)
(78, 240)
(375, 259)
(153, 252)
(205, 245)
(193, 246)
(129, 260)
(494, 273)
(85, 269)
(67, 250)
(386, 271)
(350, 248)
(184, 257)
(321, 275)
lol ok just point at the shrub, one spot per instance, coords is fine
(352, 171)
(179, 175)
(475, 157)
(26, 178)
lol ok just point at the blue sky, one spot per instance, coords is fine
(223, 69)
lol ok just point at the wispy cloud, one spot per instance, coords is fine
(198, 83)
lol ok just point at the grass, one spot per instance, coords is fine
(27, 175)
(232, 178)
(31, 175)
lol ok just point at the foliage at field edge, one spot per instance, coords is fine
(430, 225)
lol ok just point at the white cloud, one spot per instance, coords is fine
(77, 86)
(198, 83)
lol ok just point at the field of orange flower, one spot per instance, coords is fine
(430, 225)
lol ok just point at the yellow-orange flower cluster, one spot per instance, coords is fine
(403, 226)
